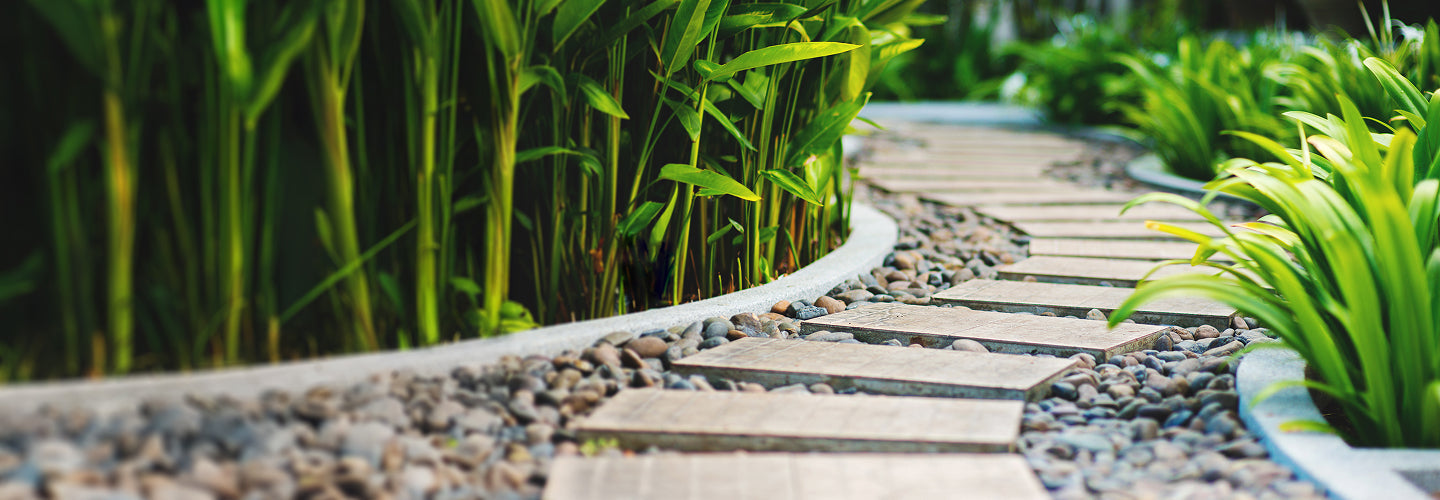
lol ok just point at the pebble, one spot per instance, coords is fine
(811, 312)
(968, 345)
(829, 336)
(647, 347)
(830, 305)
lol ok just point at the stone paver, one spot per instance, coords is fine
(727, 421)
(894, 371)
(926, 171)
(998, 332)
(1106, 212)
(1077, 300)
(1092, 271)
(1113, 249)
(970, 186)
(792, 476)
(1122, 230)
(1076, 196)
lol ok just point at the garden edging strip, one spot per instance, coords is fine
(1325, 459)
(872, 237)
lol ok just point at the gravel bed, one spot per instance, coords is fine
(1157, 423)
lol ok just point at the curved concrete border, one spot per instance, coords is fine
(1325, 459)
(1150, 171)
(872, 237)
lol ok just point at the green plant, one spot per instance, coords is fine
(1346, 269)
(1207, 90)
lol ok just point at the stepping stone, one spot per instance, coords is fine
(1075, 196)
(929, 171)
(998, 332)
(1114, 249)
(878, 370)
(960, 164)
(1121, 230)
(1091, 271)
(1077, 300)
(728, 421)
(793, 476)
(1106, 212)
(933, 185)
(923, 173)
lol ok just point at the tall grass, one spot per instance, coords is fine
(429, 170)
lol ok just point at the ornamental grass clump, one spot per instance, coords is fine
(1345, 269)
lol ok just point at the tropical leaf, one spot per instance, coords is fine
(570, 16)
(707, 179)
(782, 53)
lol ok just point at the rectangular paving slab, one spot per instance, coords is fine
(1077, 300)
(1099, 212)
(1116, 230)
(728, 421)
(793, 476)
(878, 369)
(998, 332)
(1076, 196)
(1092, 271)
(1112, 248)
(933, 185)
(920, 171)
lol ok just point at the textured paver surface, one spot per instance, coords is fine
(1023, 197)
(998, 332)
(897, 371)
(726, 421)
(1112, 248)
(1077, 300)
(1106, 212)
(794, 476)
(1093, 271)
(1119, 229)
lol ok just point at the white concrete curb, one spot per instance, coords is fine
(1325, 459)
(872, 237)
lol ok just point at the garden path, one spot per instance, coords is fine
(961, 408)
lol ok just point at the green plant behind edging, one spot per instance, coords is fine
(1346, 270)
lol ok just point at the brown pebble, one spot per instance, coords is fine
(631, 359)
(774, 317)
(780, 307)
(648, 347)
(1206, 332)
(751, 387)
(734, 335)
(831, 305)
(606, 354)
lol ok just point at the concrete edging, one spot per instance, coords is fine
(1149, 170)
(1325, 459)
(872, 237)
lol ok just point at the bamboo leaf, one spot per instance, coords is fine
(688, 117)
(76, 139)
(571, 15)
(78, 24)
(599, 99)
(634, 21)
(748, 15)
(708, 179)
(546, 75)
(275, 59)
(782, 53)
(684, 35)
(824, 130)
(636, 222)
(465, 285)
(793, 184)
(500, 27)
